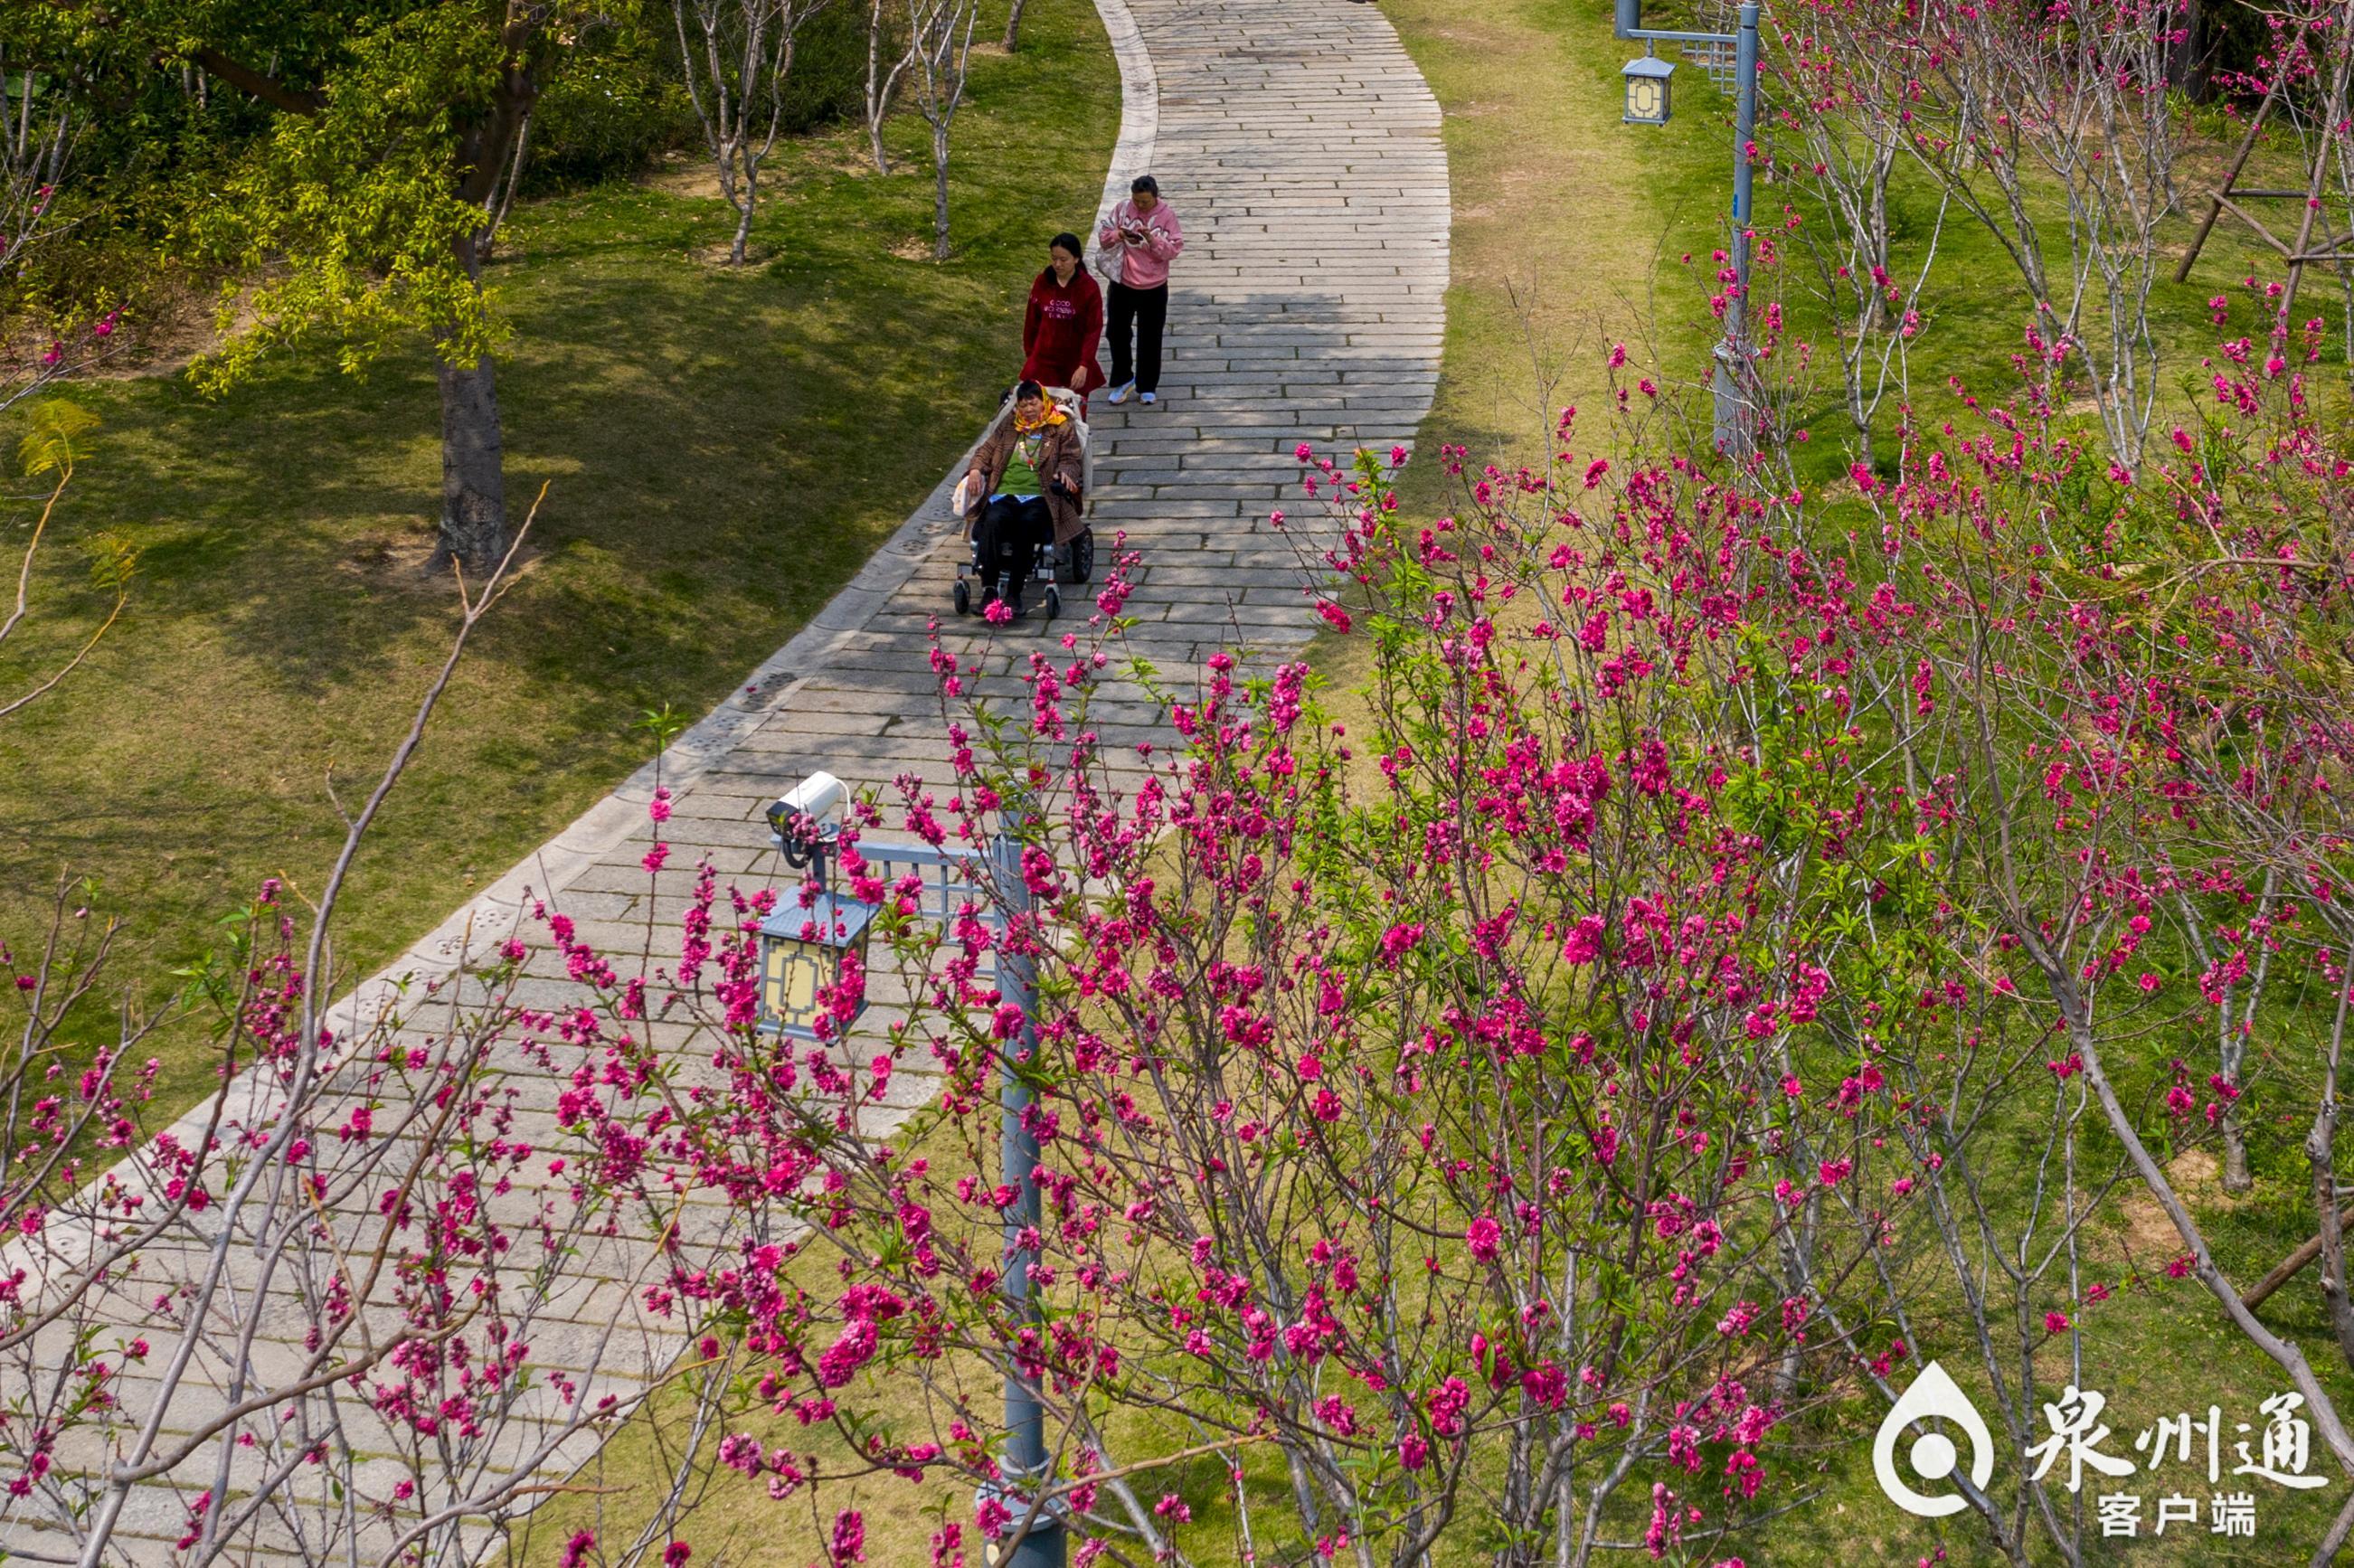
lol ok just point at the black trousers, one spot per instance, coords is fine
(1008, 537)
(1141, 313)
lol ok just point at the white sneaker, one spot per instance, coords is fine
(1149, 398)
(1120, 393)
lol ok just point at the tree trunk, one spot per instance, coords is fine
(1857, 414)
(2237, 1177)
(2230, 1055)
(2321, 1151)
(2319, 1146)
(878, 88)
(473, 483)
(736, 251)
(506, 190)
(743, 205)
(1798, 1268)
(1014, 26)
(940, 192)
(1880, 317)
(2188, 56)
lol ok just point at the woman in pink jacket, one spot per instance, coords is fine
(1140, 240)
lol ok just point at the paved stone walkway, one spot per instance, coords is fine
(1301, 150)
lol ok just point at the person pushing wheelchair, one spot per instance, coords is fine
(1025, 490)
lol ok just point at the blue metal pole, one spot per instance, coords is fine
(1026, 1422)
(1734, 419)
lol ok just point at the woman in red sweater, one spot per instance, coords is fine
(1063, 323)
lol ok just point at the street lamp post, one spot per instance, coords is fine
(801, 951)
(1734, 421)
(1041, 1545)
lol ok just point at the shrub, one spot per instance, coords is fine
(829, 79)
(619, 106)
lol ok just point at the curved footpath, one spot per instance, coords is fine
(1302, 149)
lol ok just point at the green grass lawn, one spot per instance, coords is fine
(722, 452)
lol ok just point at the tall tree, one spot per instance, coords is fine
(940, 42)
(738, 56)
(369, 207)
(888, 56)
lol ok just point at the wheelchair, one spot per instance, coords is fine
(1054, 566)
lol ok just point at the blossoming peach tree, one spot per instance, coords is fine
(1436, 1120)
(1708, 899)
(346, 1309)
(2098, 770)
(1490, 1111)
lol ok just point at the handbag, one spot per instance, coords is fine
(1109, 259)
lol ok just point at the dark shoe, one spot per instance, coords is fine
(1013, 600)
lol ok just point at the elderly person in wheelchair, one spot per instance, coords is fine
(1025, 500)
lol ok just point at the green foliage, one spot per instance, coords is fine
(352, 215)
(153, 137)
(617, 106)
(661, 726)
(113, 562)
(829, 79)
(347, 215)
(52, 445)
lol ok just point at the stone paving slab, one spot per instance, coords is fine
(1302, 152)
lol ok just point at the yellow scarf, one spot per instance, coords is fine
(1053, 415)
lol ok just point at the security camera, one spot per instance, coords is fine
(819, 798)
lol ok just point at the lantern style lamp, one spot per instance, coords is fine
(1646, 90)
(802, 946)
(801, 955)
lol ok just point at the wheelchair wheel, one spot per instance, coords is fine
(1053, 601)
(1078, 562)
(963, 599)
